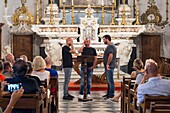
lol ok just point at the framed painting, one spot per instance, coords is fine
(84, 3)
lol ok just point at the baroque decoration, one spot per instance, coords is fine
(152, 15)
(22, 15)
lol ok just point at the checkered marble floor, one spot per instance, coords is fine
(98, 105)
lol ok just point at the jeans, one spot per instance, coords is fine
(89, 80)
(110, 82)
(67, 72)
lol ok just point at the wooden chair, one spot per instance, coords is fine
(54, 84)
(27, 101)
(158, 100)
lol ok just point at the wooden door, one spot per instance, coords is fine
(23, 45)
(151, 47)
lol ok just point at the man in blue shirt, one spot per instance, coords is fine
(155, 85)
(53, 73)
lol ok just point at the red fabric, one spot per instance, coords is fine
(2, 77)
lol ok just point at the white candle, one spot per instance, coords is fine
(102, 3)
(64, 1)
(72, 2)
(113, 1)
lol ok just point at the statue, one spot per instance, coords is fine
(54, 52)
(6, 50)
(89, 12)
(124, 51)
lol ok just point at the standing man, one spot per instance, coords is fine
(109, 60)
(87, 50)
(67, 51)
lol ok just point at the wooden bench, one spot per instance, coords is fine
(133, 108)
(126, 85)
(27, 101)
(148, 105)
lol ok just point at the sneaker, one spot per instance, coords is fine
(89, 96)
(67, 98)
(70, 96)
(105, 95)
(80, 96)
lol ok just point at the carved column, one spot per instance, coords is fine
(1, 24)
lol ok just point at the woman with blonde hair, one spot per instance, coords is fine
(39, 69)
(138, 66)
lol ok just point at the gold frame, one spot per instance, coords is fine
(82, 6)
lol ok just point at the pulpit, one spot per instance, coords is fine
(148, 45)
(84, 59)
(1, 24)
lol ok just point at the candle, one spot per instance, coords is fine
(113, 1)
(64, 1)
(72, 2)
(102, 3)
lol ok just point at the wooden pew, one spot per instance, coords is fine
(158, 100)
(133, 108)
(158, 108)
(27, 101)
(125, 87)
(47, 100)
(54, 84)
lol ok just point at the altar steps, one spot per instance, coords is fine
(97, 71)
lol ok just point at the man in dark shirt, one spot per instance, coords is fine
(89, 51)
(109, 60)
(67, 66)
(29, 85)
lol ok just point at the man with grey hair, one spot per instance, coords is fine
(48, 61)
(155, 85)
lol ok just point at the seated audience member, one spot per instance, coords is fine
(138, 74)
(39, 69)
(155, 85)
(30, 74)
(14, 98)
(53, 73)
(2, 77)
(20, 69)
(8, 70)
(138, 66)
(10, 57)
(29, 85)
(24, 57)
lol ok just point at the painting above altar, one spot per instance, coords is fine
(84, 3)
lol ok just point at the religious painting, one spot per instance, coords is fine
(84, 3)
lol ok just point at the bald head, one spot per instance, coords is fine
(10, 58)
(69, 41)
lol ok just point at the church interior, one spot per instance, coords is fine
(138, 29)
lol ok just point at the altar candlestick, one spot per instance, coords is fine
(102, 3)
(72, 2)
(115, 3)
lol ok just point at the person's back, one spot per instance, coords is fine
(29, 85)
(155, 84)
